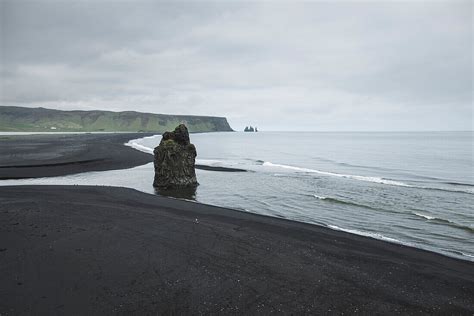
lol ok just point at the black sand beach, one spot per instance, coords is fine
(68, 250)
(105, 250)
(49, 155)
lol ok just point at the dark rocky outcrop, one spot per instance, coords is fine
(174, 160)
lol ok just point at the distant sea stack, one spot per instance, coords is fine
(21, 119)
(174, 160)
(250, 129)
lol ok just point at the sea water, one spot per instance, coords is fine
(409, 188)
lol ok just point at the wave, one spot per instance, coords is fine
(457, 253)
(134, 143)
(334, 200)
(468, 256)
(460, 184)
(424, 216)
(368, 234)
(399, 171)
(333, 174)
(320, 197)
(446, 222)
(346, 164)
(367, 178)
(467, 191)
(282, 175)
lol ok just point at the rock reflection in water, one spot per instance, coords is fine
(188, 193)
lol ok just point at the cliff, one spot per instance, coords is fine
(20, 119)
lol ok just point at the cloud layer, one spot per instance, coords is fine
(280, 66)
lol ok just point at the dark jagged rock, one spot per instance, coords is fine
(174, 160)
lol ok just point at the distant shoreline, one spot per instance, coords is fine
(40, 119)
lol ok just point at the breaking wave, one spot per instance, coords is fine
(467, 190)
(333, 174)
(446, 222)
(466, 254)
(134, 143)
(368, 234)
(137, 144)
(366, 178)
(320, 197)
(424, 216)
(338, 201)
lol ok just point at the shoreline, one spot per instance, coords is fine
(49, 155)
(102, 146)
(118, 249)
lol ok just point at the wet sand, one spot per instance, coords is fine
(78, 250)
(217, 168)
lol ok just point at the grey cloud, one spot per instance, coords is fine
(309, 65)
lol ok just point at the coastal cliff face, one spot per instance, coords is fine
(174, 160)
(19, 119)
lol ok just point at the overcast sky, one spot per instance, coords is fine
(281, 66)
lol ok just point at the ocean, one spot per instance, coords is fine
(412, 188)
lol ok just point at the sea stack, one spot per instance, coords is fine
(174, 160)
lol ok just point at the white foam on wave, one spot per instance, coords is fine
(448, 222)
(424, 216)
(319, 197)
(333, 174)
(136, 144)
(139, 147)
(367, 234)
(378, 236)
(467, 254)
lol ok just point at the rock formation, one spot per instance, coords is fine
(174, 160)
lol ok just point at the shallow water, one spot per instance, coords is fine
(410, 188)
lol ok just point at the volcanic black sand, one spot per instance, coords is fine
(47, 155)
(104, 250)
(79, 250)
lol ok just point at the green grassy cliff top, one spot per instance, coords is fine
(20, 119)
